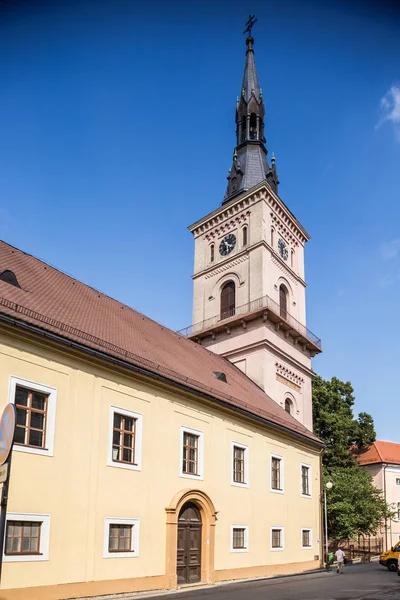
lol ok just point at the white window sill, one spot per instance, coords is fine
(241, 485)
(121, 465)
(32, 450)
(190, 476)
(277, 491)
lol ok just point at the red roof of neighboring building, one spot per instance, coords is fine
(61, 305)
(380, 452)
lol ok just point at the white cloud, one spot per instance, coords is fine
(390, 250)
(390, 109)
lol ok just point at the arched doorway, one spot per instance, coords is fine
(176, 518)
(188, 559)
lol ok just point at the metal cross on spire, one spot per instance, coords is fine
(249, 25)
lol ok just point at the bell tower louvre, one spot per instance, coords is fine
(249, 287)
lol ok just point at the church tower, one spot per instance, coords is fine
(249, 287)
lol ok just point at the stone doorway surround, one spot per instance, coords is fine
(208, 517)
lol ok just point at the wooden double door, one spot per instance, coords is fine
(189, 544)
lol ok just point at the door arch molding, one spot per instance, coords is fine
(208, 517)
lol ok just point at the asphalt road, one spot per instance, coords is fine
(370, 581)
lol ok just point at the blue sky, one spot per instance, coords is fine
(117, 131)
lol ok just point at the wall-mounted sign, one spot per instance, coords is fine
(7, 428)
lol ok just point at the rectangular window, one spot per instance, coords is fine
(239, 538)
(35, 406)
(397, 480)
(305, 480)
(124, 429)
(276, 473)
(120, 538)
(276, 538)
(125, 439)
(190, 453)
(398, 511)
(22, 537)
(27, 537)
(306, 538)
(31, 407)
(238, 464)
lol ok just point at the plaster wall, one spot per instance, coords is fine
(78, 490)
(272, 362)
(389, 478)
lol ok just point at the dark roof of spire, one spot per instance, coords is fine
(250, 80)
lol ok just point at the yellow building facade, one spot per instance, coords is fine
(79, 491)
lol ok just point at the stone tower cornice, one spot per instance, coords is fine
(283, 217)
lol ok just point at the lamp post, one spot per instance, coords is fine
(328, 486)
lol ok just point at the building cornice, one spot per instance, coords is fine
(40, 335)
(279, 353)
(262, 191)
(232, 261)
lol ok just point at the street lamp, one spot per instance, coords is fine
(328, 486)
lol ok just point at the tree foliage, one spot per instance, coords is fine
(355, 506)
(335, 424)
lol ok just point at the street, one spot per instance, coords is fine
(370, 581)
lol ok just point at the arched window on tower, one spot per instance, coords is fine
(288, 406)
(283, 300)
(212, 253)
(243, 129)
(292, 259)
(253, 126)
(245, 236)
(228, 294)
(272, 237)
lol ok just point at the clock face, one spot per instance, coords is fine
(227, 244)
(283, 249)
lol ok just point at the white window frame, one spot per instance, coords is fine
(200, 453)
(282, 473)
(246, 538)
(44, 537)
(282, 546)
(138, 438)
(246, 465)
(51, 392)
(309, 481)
(301, 538)
(135, 524)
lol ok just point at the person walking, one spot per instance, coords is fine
(339, 555)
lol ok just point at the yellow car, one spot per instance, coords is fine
(390, 558)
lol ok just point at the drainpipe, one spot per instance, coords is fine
(384, 494)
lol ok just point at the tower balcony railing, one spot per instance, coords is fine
(245, 312)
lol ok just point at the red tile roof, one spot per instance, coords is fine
(62, 305)
(380, 452)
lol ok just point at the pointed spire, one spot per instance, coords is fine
(250, 83)
(250, 165)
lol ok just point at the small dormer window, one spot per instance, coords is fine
(9, 277)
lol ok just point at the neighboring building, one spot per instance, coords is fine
(382, 461)
(143, 460)
(249, 287)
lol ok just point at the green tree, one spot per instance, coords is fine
(334, 421)
(355, 506)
